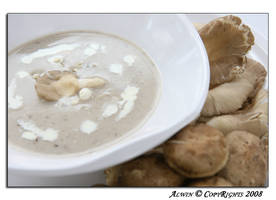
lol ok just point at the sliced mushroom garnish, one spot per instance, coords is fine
(55, 84)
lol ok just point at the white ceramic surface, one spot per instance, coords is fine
(175, 47)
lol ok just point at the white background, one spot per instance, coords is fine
(127, 6)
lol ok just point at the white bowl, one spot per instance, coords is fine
(175, 47)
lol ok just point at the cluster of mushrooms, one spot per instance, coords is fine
(227, 145)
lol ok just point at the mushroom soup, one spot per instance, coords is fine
(75, 92)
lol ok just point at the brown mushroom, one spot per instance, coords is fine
(214, 181)
(264, 144)
(145, 171)
(247, 164)
(197, 151)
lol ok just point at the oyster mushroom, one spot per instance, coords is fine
(229, 97)
(226, 41)
(254, 119)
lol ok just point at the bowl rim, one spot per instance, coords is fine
(83, 167)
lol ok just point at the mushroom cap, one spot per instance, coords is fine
(197, 151)
(214, 181)
(231, 96)
(226, 41)
(253, 118)
(247, 165)
(145, 171)
(264, 143)
(251, 122)
(255, 73)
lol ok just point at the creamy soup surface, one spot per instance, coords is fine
(78, 91)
